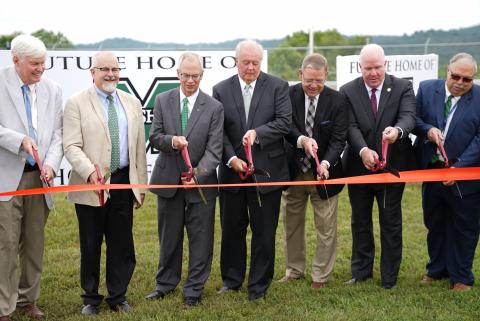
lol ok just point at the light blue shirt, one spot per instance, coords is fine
(122, 123)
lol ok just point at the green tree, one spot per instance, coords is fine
(6, 40)
(53, 40)
(285, 60)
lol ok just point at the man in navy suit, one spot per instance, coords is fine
(448, 112)
(260, 118)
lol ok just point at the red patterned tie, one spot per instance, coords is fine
(373, 102)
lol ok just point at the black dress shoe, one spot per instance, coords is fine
(121, 307)
(156, 295)
(256, 296)
(90, 309)
(388, 285)
(191, 301)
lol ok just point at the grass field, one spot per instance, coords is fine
(409, 300)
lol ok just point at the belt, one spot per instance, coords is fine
(30, 168)
(436, 164)
(121, 170)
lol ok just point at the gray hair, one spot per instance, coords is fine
(100, 54)
(248, 42)
(28, 46)
(315, 61)
(464, 56)
(188, 55)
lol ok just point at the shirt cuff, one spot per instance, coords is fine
(361, 150)
(230, 160)
(299, 140)
(401, 132)
(172, 143)
(326, 163)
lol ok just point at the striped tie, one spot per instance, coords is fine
(309, 130)
(114, 134)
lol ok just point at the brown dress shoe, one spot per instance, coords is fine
(5, 318)
(460, 287)
(427, 280)
(32, 311)
(318, 285)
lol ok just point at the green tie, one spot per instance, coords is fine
(114, 134)
(184, 114)
(448, 106)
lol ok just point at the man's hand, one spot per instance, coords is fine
(179, 142)
(309, 146)
(434, 135)
(28, 145)
(238, 165)
(390, 134)
(249, 137)
(369, 158)
(47, 174)
(324, 174)
(190, 182)
(137, 204)
(448, 183)
(93, 179)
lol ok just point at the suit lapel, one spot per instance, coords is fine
(324, 101)
(42, 113)
(384, 97)
(197, 110)
(439, 103)
(462, 106)
(174, 101)
(238, 98)
(300, 108)
(15, 91)
(257, 95)
(98, 110)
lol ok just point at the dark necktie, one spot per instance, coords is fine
(446, 111)
(373, 102)
(114, 135)
(184, 115)
(309, 130)
(28, 110)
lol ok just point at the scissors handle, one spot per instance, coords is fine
(100, 179)
(249, 169)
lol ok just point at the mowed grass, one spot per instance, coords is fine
(409, 300)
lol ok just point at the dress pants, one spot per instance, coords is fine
(114, 221)
(174, 214)
(390, 219)
(294, 206)
(453, 225)
(237, 211)
(22, 224)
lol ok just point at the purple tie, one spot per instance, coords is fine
(373, 102)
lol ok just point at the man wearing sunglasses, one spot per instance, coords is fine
(448, 115)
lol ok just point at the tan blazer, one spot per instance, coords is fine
(86, 141)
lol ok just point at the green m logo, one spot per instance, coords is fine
(158, 85)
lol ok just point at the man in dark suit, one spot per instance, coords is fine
(260, 118)
(448, 112)
(186, 118)
(321, 113)
(381, 107)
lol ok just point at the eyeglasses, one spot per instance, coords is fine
(313, 81)
(114, 70)
(187, 76)
(456, 77)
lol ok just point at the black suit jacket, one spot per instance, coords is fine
(270, 116)
(396, 108)
(329, 129)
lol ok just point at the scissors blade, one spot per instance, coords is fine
(261, 172)
(257, 189)
(200, 191)
(392, 171)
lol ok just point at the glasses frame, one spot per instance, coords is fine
(457, 77)
(194, 77)
(114, 70)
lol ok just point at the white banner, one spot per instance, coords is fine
(412, 67)
(144, 74)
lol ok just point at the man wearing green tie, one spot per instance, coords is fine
(104, 130)
(186, 118)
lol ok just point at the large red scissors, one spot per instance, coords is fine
(190, 174)
(250, 170)
(381, 163)
(448, 162)
(42, 174)
(102, 179)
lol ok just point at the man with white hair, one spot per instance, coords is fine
(30, 123)
(382, 111)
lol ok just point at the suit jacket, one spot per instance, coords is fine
(270, 116)
(396, 108)
(329, 128)
(463, 137)
(14, 127)
(204, 135)
(86, 141)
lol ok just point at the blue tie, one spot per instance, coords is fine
(28, 110)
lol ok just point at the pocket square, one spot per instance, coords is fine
(326, 122)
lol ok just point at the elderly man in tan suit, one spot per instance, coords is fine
(30, 118)
(105, 128)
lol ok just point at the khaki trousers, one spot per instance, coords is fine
(22, 222)
(294, 205)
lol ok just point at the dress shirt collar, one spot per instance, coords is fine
(243, 84)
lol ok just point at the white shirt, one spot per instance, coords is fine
(452, 109)
(191, 101)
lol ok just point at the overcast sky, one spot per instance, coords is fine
(193, 21)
